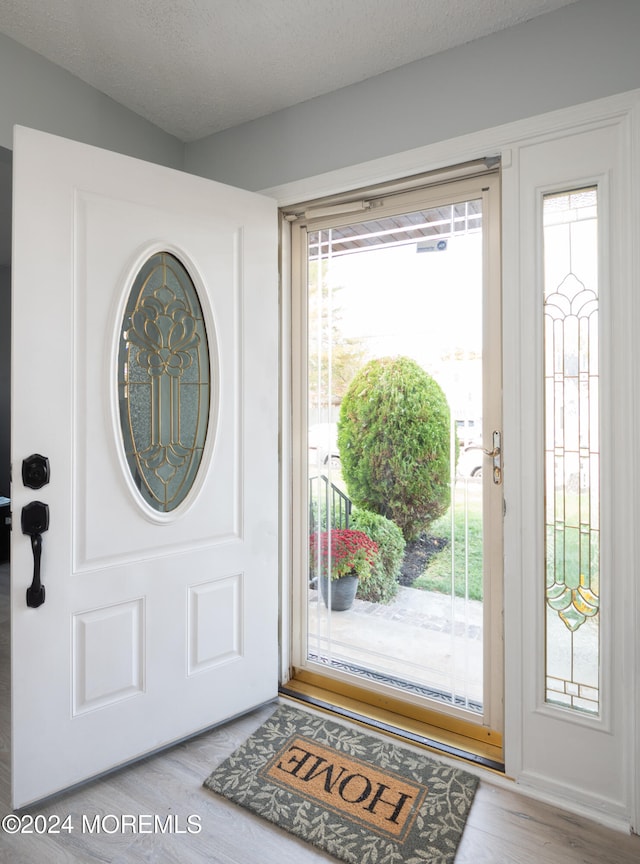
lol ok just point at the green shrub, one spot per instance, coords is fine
(394, 442)
(382, 584)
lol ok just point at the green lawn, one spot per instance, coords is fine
(468, 551)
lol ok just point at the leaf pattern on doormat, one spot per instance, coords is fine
(431, 833)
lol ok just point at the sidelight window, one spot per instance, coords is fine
(572, 449)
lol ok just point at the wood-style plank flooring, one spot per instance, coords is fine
(504, 826)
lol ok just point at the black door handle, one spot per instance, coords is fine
(35, 521)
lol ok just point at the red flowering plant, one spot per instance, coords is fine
(342, 551)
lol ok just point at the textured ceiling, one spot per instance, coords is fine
(194, 67)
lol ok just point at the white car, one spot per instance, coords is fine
(323, 444)
(470, 462)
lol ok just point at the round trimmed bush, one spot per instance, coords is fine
(382, 584)
(394, 442)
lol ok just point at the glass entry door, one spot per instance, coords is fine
(400, 468)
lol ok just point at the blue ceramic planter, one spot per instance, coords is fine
(343, 592)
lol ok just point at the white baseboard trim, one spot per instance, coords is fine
(611, 814)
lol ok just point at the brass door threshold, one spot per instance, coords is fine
(468, 742)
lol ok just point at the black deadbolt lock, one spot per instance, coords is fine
(35, 471)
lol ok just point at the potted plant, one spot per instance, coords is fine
(339, 558)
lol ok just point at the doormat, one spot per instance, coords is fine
(360, 798)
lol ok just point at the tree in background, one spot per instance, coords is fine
(333, 358)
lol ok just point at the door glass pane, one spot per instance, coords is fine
(572, 463)
(163, 382)
(395, 463)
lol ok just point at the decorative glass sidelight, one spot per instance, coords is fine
(572, 459)
(163, 382)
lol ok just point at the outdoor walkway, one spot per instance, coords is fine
(427, 639)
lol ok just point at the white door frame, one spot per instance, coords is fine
(506, 142)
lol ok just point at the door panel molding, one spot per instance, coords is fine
(120, 628)
(213, 514)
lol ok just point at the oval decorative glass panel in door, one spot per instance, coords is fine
(164, 384)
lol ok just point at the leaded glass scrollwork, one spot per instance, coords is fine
(163, 382)
(572, 463)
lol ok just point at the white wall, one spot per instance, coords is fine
(36, 93)
(579, 53)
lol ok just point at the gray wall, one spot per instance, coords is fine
(584, 51)
(581, 52)
(36, 93)
(5, 378)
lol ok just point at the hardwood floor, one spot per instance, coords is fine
(504, 826)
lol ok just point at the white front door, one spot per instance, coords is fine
(160, 607)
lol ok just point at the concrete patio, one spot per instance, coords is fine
(429, 640)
